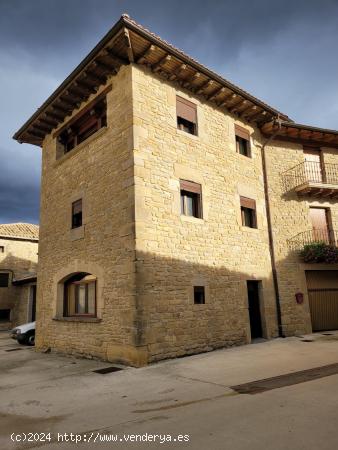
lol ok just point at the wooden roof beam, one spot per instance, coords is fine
(94, 77)
(189, 81)
(113, 57)
(84, 88)
(238, 106)
(127, 41)
(143, 58)
(216, 94)
(256, 116)
(105, 67)
(60, 109)
(249, 111)
(224, 102)
(159, 64)
(54, 115)
(204, 86)
(42, 128)
(178, 72)
(50, 122)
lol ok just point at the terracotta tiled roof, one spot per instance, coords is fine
(20, 230)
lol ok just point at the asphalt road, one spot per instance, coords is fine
(183, 403)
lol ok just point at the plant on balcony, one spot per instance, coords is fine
(319, 252)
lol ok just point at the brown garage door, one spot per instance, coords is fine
(323, 299)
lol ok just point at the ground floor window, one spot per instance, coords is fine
(5, 315)
(80, 295)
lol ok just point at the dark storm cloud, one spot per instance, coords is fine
(282, 52)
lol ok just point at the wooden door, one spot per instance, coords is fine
(313, 165)
(319, 220)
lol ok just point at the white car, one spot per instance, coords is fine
(24, 334)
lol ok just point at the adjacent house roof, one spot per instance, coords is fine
(299, 133)
(30, 277)
(24, 231)
(128, 42)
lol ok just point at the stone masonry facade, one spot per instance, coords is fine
(145, 256)
(18, 258)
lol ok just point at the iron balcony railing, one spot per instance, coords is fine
(311, 172)
(326, 236)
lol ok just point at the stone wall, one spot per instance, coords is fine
(290, 216)
(18, 258)
(100, 171)
(176, 252)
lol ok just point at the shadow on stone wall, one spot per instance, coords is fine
(168, 321)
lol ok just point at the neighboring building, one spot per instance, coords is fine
(170, 209)
(18, 265)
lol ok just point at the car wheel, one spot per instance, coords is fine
(31, 339)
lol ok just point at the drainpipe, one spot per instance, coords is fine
(270, 233)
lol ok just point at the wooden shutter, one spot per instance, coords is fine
(242, 132)
(190, 186)
(248, 203)
(77, 207)
(186, 110)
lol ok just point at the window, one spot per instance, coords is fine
(84, 125)
(199, 295)
(186, 115)
(191, 194)
(77, 214)
(5, 315)
(2, 249)
(242, 141)
(248, 212)
(4, 279)
(80, 295)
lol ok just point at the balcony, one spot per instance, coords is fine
(316, 246)
(313, 179)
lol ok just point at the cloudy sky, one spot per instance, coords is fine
(284, 52)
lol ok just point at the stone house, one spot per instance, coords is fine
(173, 208)
(18, 266)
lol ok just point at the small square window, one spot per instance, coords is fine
(199, 295)
(191, 194)
(4, 279)
(186, 115)
(248, 212)
(5, 315)
(77, 214)
(242, 141)
(2, 249)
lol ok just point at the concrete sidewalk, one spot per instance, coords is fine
(189, 396)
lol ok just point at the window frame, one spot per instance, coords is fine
(242, 135)
(67, 136)
(190, 189)
(74, 281)
(7, 285)
(199, 290)
(248, 205)
(74, 214)
(186, 116)
(9, 315)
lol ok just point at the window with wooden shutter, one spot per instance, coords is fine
(86, 123)
(191, 199)
(186, 115)
(248, 212)
(242, 141)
